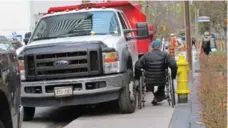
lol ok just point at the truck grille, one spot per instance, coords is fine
(79, 64)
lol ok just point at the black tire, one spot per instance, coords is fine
(1, 124)
(172, 91)
(168, 93)
(173, 94)
(167, 86)
(29, 113)
(140, 89)
(126, 105)
(143, 92)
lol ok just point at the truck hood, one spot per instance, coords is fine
(108, 40)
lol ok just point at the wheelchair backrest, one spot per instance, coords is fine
(156, 71)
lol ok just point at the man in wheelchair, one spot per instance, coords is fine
(155, 65)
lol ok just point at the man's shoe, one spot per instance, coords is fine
(154, 102)
(161, 98)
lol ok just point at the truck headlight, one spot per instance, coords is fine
(22, 69)
(111, 63)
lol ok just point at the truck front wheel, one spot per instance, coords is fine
(1, 124)
(127, 99)
(29, 113)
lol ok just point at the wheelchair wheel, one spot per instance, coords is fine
(140, 92)
(167, 89)
(168, 93)
(171, 91)
(143, 94)
(173, 94)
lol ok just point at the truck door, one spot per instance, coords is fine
(131, 44)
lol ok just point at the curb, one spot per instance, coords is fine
(182, 112)
(180, 117)
(187, 115)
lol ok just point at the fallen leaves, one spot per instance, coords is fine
(213, 90)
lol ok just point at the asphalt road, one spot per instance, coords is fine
(54, 117)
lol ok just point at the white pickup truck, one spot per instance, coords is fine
(80, 57)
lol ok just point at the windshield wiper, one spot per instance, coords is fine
(48, 37)
(88, 33)
(78, 33)
(42, 38)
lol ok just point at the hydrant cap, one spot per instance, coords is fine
(181, 56)
(182, 60)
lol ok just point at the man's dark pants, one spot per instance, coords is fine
(159, 93)
(161, 89)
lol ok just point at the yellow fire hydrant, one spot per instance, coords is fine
(182, 79)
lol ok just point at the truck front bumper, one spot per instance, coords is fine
(21, 116)
(83, 91)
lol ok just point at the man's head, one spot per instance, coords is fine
(156, 45)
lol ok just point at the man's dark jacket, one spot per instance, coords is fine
(155, 64)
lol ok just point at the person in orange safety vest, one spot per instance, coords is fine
(172, 45)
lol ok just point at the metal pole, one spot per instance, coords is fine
(197, 24)
(188, 34)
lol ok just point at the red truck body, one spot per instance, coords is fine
(132, 12)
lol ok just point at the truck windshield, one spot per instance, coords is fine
(77, 24)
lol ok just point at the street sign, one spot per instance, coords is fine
(164, 28)
(204, 19)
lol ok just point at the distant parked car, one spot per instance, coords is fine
(11, 111)
(181, 40)
(166, 45)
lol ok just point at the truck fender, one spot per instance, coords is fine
(127, 60)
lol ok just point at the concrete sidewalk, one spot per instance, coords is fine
(188, 115)
(195, 119)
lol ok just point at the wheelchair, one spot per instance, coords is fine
(169, 90)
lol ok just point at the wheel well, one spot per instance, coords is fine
(140, 55)
(129, 63)
(5, 115)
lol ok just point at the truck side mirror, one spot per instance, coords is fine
(27, 36)
(25, 41)
(142, 30)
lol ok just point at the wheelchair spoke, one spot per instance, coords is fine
(140, 93)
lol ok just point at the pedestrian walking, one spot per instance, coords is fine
(194, 43)
(205, 44)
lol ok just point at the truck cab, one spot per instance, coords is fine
(81, 57)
